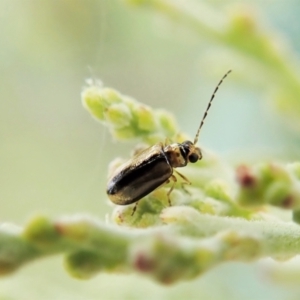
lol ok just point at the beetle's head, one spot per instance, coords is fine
(192, 153)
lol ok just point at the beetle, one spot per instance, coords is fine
(154, 167)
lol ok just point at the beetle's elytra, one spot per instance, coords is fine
(154, 167)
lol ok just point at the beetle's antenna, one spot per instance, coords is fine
(208, 106)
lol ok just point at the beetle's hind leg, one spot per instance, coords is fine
(134, 208)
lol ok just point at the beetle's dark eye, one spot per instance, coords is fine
(193, 157)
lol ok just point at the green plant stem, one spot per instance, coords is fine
(190, 243)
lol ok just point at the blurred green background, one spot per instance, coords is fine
(54, 156)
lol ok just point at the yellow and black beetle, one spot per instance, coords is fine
(153, 167)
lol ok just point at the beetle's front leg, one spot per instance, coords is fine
(185, 181)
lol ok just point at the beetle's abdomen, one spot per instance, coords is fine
(136, 181)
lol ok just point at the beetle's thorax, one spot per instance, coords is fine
(179, 154)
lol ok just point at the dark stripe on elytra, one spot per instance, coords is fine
(129, 175)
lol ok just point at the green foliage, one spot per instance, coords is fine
(217, 220)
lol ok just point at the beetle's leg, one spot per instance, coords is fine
(186, 181)
(134, 208)
(138, 149)
(172, 187)
(167, 142)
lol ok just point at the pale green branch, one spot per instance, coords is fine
(269, 60)
(188, 245)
